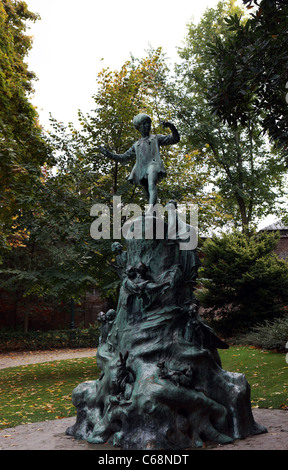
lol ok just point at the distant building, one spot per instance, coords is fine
(282, 248)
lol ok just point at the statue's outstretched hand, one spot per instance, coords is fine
(104, 151)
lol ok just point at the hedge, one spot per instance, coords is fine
(45, 340)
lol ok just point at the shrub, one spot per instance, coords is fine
(44, 340)
(244, 282)
(269, 335)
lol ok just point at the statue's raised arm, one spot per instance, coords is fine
(171, 139)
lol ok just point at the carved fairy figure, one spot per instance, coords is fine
(106, 320)
(149, 167)
(201, 335)
(121, 258)
(132, 283)
(144, 278)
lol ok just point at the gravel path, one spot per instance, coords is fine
(50, 435)
(14, 359)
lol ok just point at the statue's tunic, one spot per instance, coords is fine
(148, 159)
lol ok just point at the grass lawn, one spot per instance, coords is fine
(266, 372)
(40, 392)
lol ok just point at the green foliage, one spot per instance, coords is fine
(24, 153)
(45, 340)
(269, 335)
(52, 253)
(49, 257)
(22, 147)
(244, 282)
(121, 94)
(45, 218)
(245, 176)
(251, 73)
(85, 178)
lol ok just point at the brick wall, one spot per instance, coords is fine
(282, 229)
(282, 248)
(47, 316)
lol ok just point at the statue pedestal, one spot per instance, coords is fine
(162, 385)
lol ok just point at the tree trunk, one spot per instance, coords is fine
(26, 316)
(243, 214)
(115, 183)
(15, 310)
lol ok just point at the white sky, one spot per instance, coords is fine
(73, 36)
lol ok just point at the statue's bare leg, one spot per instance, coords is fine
(152, 186)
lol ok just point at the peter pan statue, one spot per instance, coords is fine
(149, 168)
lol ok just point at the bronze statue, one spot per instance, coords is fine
(168, 390)
(149, 168)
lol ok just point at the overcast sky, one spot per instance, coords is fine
(73, 37)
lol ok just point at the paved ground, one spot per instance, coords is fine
(50, 435)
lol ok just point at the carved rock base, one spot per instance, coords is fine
(162, 385)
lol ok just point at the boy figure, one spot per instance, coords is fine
(149, 168)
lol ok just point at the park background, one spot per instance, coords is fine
(222, 81)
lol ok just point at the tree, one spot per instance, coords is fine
(55, 257)
(244, 282)
(51, 260)
(22, 148)
(139, 87)
(245, 174)
(83, 178)
(251, 72)
(121, 95)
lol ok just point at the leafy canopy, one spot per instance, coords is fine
(246, 177)
(251, 74)
(22, 147)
